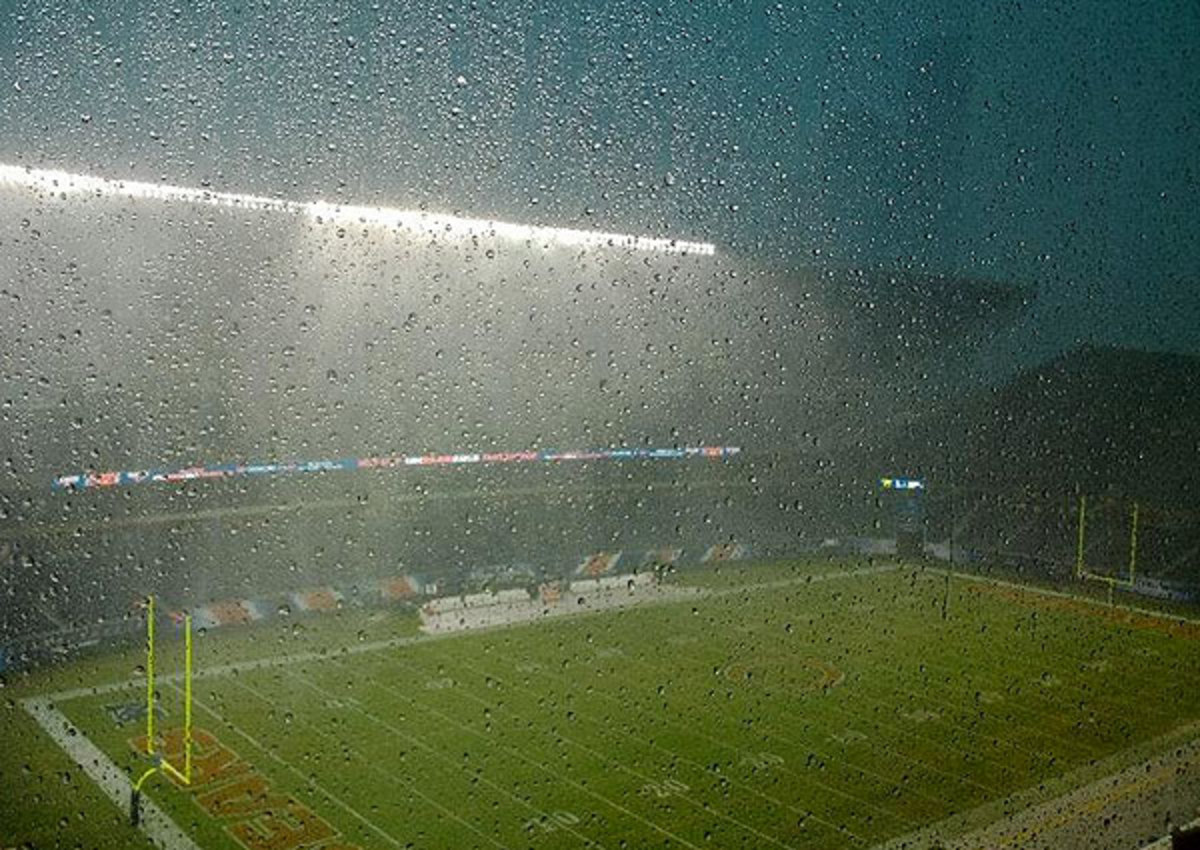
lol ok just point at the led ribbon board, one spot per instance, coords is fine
(90, 480)
(64, 184)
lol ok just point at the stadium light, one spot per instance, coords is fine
(65, 183)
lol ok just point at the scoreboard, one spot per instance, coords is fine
(904, 499)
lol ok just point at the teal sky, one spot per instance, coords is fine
(1052, 144)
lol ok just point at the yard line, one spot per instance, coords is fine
(954, 777)
(390, 777)
(1083, 786)
(1044, 591)
(397, 731)
(387, 836)
(535, 764)
(1105, 628)
(779, 735)
(157, 825)
(1087, 749)
(410, 640)
(417, 741)
(1067, 665)
(775, 733)
(1011, 743)
(805, 580)
(642, 777)
(1004, 766)
(696, 593)
(917, 735)
(692, 730)
(903, 732)
(812, 578)
(1069, 661)
(816, 818)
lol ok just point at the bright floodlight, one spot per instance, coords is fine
(63, 183)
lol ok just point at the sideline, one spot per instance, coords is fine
(679, 593)
(1045, 591)
(287, 765)
(1028, 818)
(1085, 791)
(165, 833)
(1166, 842)
(157, 825)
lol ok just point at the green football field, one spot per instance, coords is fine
(782, 706)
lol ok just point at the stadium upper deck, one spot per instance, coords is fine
(162, 327)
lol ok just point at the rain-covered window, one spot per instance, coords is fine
(532, 425)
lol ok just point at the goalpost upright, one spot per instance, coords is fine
(1080, 536)
(1081, 570)
(183, 776)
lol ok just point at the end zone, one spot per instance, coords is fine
(108, 777)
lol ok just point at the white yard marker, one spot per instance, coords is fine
(305, 778)
(386, 776)
(163, 831)
(155, 823)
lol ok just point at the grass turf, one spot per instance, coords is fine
(819, 711)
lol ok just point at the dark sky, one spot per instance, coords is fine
(1052, 144)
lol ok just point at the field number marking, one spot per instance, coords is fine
(663, 789)
(551, 822)
(761, 761)
(848, 737)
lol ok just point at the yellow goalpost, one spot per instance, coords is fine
(1081, 570)
(161, 763)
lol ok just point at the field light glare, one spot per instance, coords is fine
(64, 184)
